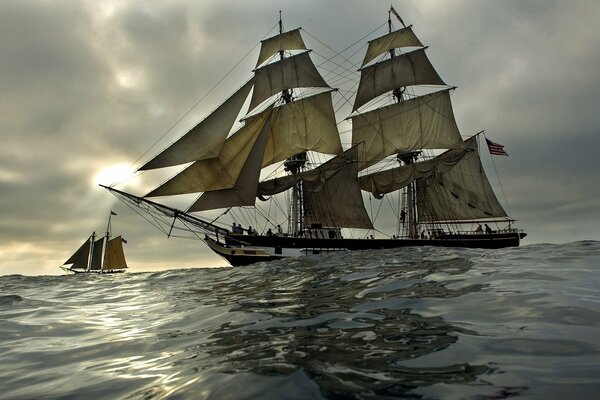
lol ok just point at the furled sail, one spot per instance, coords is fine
(337, 201)
(243, 193)
(114, 257)
(425, 122)
(291, 40)
(462, 193)
(293, 72)
(220, 172)
(206, 139)
(305, 124)
(390, 180)
(404, 37)
(80, 258)
(322, 173)
(413, 68)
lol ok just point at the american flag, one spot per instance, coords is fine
(495, 148)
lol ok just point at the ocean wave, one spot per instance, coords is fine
(413, 322)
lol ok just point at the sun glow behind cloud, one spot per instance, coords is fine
(114, 175)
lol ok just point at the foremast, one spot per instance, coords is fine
(294, 165)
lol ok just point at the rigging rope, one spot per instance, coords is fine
(201, 99)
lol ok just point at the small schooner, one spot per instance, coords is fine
(406, 150)
(100, 255)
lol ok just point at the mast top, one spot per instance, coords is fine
(280, 23)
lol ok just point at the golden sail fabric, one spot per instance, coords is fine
(114, 257)
(404, 37)
(217, 173)
(337, 201)
(390, 180)
(206, 139)
(80, 258)
(243, 193)
(305, 124)
(292, 72)
(291, 40)
(462, 193)
(425, 122)
(407, 69)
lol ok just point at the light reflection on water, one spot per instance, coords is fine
(422, 322)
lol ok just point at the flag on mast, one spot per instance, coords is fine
(495, 148)
(393, 11)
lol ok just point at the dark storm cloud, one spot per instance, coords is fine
(85, 85)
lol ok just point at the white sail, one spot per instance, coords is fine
(406, 69)
(404, 37)
(243, 193)
(337, 201)
(290, 40)
(425, 122)
(220, 172)
(207, 138)
(462, 193)
(292, 72)
(305, 124)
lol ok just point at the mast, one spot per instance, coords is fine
(91, 252)
(407, 157)
(294, 165)
(105, 242)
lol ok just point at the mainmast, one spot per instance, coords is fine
(408, 157)
(91, 252)
(106, 239)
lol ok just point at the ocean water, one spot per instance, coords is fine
(409, 323)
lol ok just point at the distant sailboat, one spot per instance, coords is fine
(405, 145)
(98, 255)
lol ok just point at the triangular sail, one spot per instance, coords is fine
(114, 257)
(293, 72)
(404, 37)
(413, 68)
(425, 122)
(80, 258)
(291, 40)
(243, 193)
(220, 172)
(207, 138)
(462, 193)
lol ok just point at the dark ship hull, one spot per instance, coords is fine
(241, 250)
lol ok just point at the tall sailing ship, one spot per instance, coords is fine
(100, 255)
(406, 150)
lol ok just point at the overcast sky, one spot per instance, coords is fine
(87, 86)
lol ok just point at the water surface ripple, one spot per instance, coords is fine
(408, 323)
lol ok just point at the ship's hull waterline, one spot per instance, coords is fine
(241, 250)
